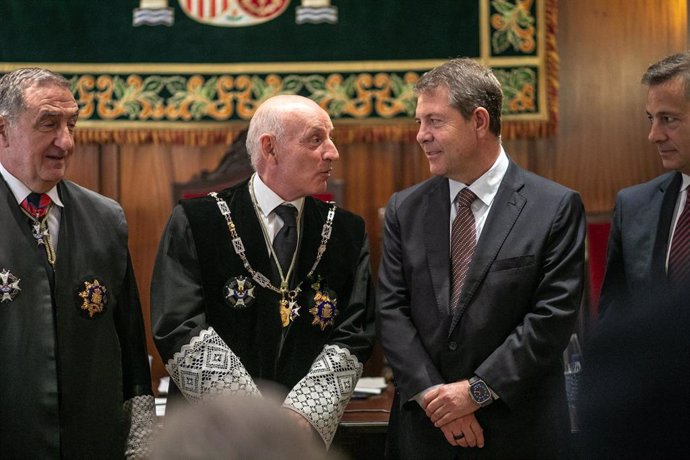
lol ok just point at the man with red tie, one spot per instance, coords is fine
(640, 343)
(72, 344)
(479, 286)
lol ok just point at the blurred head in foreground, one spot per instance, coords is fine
(235, 428)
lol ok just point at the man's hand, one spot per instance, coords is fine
(449, 402)
(464, 432)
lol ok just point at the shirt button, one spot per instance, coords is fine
(452, 346)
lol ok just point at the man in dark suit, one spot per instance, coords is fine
(75, 373)
(263, 284)
(480, 376)
(635, 380)
(641, 250)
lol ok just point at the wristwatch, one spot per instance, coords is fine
(480, 392)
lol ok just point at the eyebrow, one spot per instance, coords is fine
(428, 115)
(47, 114)
(664, 113)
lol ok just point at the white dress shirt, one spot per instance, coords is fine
(21, 191)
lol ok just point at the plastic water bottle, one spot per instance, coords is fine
(572, 370)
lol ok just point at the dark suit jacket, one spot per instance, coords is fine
(638, 242)
(66, 374)
(635, 380)
(516, 312)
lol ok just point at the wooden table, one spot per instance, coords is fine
(362, 431)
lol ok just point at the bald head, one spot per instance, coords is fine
(290, 146)
(274, 116)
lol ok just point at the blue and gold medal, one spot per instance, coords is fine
(325, 309)
(239, 292)
(94, 298)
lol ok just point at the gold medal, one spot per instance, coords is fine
(284, 312)
(95, 297)
(324, 310)
(289, 309)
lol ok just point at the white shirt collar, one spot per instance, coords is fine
(686, 183)
(487, 185)
(21, 191)
(268, 200)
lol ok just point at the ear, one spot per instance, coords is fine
(481, 121)
(4, 127)
(268, 147)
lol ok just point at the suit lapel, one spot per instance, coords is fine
(506, 208)
(666, 198)
(437, 241)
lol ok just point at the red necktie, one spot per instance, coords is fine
(679, 258)
(36, 204)
(463, 242)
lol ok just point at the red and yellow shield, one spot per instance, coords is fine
(233, 13)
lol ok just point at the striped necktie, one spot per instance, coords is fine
(679, 257)
(463, 242)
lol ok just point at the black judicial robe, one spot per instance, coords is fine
(65, 373)
(196, 260)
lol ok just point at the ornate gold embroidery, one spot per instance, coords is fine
(514, 26)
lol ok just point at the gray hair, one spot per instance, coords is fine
(14, 84)
(266, 120)
(670, 67)
(470, 85)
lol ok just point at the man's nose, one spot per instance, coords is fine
(331, 152)
(423, 135)
(64, 139)
(656, 133)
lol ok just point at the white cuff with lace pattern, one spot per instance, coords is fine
(321, 396)
(207, 367)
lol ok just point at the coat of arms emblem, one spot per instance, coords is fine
(233, 13)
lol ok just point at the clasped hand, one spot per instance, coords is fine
(451, 409)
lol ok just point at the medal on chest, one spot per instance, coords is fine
(9, 286)
(288, 308)
(239, 292)
(40, 233)
(325, 306)
(93, 298)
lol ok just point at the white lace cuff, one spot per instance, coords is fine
(321, 396)
(207, 367)
(140, 415)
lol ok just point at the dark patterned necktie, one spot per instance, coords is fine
(285, 241)
(679, 258)
(36, 204)
(463, 242)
